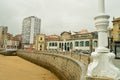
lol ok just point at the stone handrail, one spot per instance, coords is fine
(65, 67)
(84, 58)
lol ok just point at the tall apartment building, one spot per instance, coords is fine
(3, 35)
(30, 28)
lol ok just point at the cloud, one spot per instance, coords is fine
(56, 15)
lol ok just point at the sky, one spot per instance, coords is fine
(56, 15)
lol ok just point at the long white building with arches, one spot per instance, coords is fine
(75, 42)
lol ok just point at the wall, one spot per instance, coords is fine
(65, 67)
(84, 58)
(98, 78)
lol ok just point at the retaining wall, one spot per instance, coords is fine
(65, 67)
(84, 58)
(98, 78)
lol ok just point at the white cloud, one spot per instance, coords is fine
(56, 15)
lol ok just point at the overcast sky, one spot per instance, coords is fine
(56, 15)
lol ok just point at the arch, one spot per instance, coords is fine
(81, 43)
(55, 44)
(87, 43)
(76, 43)
(60, 45)
(50, 44)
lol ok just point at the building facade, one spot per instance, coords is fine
(116, 36)
(116, 29)
(30, 28)
(19, 39)
(67, 42)
(40, 43)
(12, 43)
(74, 42)
(3, 35)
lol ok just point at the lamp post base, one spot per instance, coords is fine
(102, 65)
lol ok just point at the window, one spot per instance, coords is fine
(55, 43)
(95, 43)
(76, 43)
(40, 46)
(2, 32)
(68, 44)
(60, 45)
(87, 43)
(119, 26)
(50, 44)
(118, 51)
(41, 38)
(71, 44)
(81, 43)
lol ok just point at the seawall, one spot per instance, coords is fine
(65, 67)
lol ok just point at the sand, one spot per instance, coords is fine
(16, 68)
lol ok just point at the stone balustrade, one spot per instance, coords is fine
(65, 67)
(84, 58)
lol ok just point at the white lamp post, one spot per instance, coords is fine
(102, 57)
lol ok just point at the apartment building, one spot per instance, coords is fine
(30, 28)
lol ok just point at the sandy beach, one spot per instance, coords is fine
(16, 68)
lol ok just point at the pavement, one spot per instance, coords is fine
(116, 62)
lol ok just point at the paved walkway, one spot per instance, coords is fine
(15, 68)
(117, 62)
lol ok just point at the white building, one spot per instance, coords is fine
(30, 28)
(12, 43)
(74, 42)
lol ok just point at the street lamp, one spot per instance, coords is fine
(102, 57)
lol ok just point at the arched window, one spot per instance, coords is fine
(55, 43)
(76, 43)
(60, 45)
(87, 43)
(71, 44)
(50, 44)
(68, 44)
(41, 38)
(81, 43)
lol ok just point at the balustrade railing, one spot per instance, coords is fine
(84, 58)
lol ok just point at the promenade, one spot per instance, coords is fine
(16, 68)
(117, 63)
